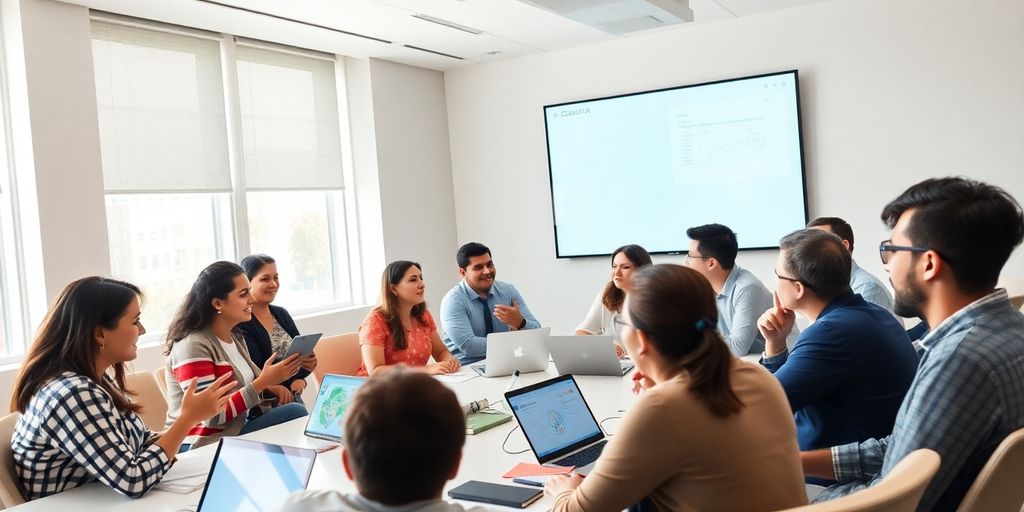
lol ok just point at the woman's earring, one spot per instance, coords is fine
(218, 311)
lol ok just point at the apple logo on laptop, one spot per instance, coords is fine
(518, 352)
(585, 355)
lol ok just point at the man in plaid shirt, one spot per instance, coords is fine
(950, 240)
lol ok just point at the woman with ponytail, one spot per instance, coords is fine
(708, 431)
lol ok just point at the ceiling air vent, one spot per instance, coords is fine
(448, 23)
(620, 16)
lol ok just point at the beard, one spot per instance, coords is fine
(909, 299)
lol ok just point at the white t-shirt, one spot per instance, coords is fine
(599, 320)
(244, 374)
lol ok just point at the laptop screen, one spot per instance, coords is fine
(555, 418)
(249, 475)
(332, 401)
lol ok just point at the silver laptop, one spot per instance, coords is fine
(557, 423)
(526, 351)
(587, 355)
(253, 476)
(328, 410)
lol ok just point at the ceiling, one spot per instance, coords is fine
(509, 27)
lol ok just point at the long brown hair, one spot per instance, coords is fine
(675, 307)
(613, 296)
(393, 274)
(196, 311)
(66, 340)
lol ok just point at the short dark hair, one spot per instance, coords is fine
(819, 260)
(973, 226)
(404, 433)
(716, 241)
(468, 251)
(838, 226)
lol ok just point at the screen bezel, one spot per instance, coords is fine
(335, 376)
(309, 453)
(568, 449)
(684, 250)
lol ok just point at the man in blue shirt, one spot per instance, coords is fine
(862, 282)
(849, 370)
(950, 239)
(740, 296)
(480, 305)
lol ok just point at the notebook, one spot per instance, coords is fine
(253, 476)
(496, 494)
(328, 412)
(557, 423)
(481, 421)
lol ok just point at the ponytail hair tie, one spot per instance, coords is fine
(702, 324)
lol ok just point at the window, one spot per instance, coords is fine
(197, 172)
(292, 156)
(13, 331)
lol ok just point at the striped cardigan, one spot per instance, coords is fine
(202, 356)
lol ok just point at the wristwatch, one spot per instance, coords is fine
(521, 325)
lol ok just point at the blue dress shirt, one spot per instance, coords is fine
(847, 374)
(968, 395)
(463, 325)
(870, 287)
(741, 302)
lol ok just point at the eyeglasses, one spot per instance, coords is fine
(787, 278)
(885, 250)
(618, 324)
(691, 257)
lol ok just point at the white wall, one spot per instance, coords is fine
(401, 166)
(892, 92)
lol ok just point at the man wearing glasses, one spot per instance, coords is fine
(861, 281)
(848, 371)
(950, 239)
(740, 296)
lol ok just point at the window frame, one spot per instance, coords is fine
(343, 229)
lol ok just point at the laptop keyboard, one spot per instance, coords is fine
(583, 457)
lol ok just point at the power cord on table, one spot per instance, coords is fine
(601, 424)
(506, 442)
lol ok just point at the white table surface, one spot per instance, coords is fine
(483, 458)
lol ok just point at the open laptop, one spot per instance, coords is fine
(526, 351)
(557, 423)
(328, 411)
(253, 476)
(587, 355)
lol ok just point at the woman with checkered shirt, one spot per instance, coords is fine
(78, 424)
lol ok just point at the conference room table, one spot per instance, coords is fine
(483, 457)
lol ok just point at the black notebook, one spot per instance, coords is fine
(497, 494)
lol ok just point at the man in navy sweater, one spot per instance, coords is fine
(848, 372)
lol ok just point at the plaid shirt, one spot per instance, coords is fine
(71, 434)
(967, 396)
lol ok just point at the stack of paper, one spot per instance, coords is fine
(188, 474)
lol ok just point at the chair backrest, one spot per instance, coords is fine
(10, 488)
(338, 354)
(998, 485)
(150, 394)
(161, 379)
(899, 491)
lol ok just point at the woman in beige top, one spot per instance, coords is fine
(709, 431)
